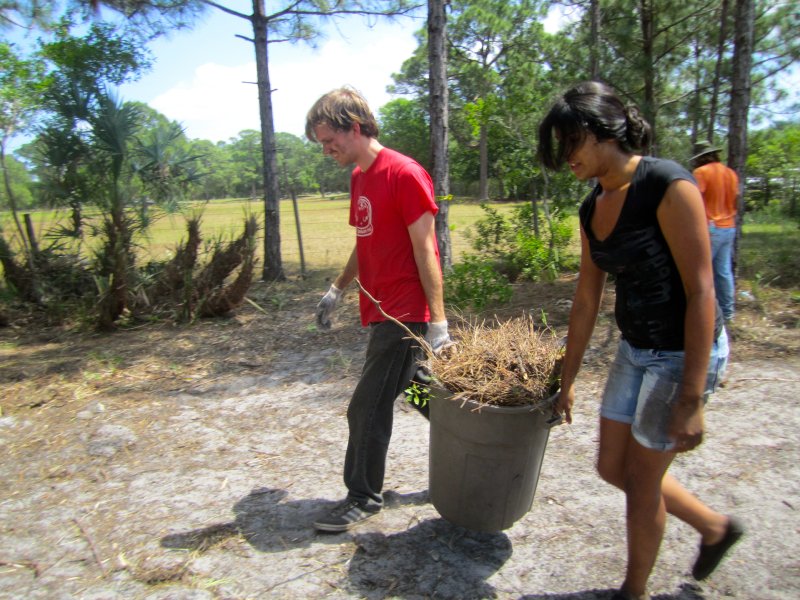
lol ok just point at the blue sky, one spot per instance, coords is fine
(199, 76)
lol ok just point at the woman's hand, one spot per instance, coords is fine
(563, 406)
(686, 426)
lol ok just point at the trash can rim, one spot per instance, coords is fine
(442, 393)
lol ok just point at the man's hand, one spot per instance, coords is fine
(437, 336)
(326, 306)
(438, 339)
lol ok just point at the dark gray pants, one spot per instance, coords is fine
(390, 364)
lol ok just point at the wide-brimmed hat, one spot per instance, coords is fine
(701, 148)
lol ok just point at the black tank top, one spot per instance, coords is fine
(651, 303)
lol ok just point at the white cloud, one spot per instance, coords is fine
(559, 16)
(216, 103)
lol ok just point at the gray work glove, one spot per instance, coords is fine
(438, 339)
(326, 306)
(437, 336)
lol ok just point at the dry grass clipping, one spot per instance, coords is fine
(510, 363)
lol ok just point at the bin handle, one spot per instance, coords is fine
(556, 419)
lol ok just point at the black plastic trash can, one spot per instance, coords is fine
(484, 463)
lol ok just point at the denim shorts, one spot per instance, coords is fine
(643, 385)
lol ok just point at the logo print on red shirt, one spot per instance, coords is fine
(363, 217)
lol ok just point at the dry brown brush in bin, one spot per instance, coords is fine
(508, 363)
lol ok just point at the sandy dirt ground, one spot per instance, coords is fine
(188, 463)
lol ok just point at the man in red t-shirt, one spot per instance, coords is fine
(720, 188)
(396, 259)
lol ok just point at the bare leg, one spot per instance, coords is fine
(646, 511)
(678, 500)
(650, 494)
(682, 504)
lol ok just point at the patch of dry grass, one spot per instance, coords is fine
(502, 363)
(508, 363)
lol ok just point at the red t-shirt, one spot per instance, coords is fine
(391, 195)
(720, 187)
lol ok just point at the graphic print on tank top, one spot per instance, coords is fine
(650, 304)
(646, 286)
(363, 217)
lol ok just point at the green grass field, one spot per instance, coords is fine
(327, 237)
(768, 254)
(768, 246)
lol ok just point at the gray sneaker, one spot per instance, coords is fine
(344, 516)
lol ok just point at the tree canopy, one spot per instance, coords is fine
(673, 60)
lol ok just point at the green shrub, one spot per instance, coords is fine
(475, 283)
(513, 247)
(531, 257)
(490, 234)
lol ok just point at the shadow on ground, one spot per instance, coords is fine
(687, 591)
(433, 559)
(264, 520)
(271, 525)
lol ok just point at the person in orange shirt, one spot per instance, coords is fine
(719, 186)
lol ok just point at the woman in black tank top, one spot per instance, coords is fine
(644, 222)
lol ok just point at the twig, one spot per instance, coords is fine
(422, 341)
(307, 573)
(256, 306)
(782, 380)
(26, 564)
(92, 547)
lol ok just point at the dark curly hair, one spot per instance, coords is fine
(589, 107)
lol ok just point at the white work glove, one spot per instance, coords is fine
(326, 306)
(437, 336)
(438, 339)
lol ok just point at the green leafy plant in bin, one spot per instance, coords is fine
(418, 394)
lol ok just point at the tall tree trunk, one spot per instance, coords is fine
(647, 16)
(483, 149)
(594, 41)
(439, 111)
(723, 33)
(697, 102)
(740, 87)
(273, 268)
(12, 204)
(740, 102)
